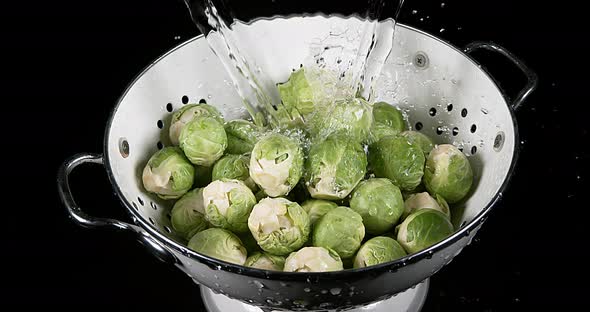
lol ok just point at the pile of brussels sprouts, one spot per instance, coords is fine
(325, 187)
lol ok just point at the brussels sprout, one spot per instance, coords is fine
(424, 201)
(276, 164)
(188, 214)
(297, 93)
(334, 167)
(220, 244)
(353, 117)
(379, 131)
(279, 225)
(317, 208)
(203, 140)
(448, 173)
(380, 204)
(265, 261)
(389, 115)
(168, 173)
(420, 139)
(260, 195)
(233, 167)
(378, 250)
(313, 259)
(396, 158)
(341, 229)
(203, 176)
(241, 136)
(228, 204)
(423, 229)
(187, 113)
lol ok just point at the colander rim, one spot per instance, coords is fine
(306, 276)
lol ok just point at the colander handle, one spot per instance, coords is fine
(88, 221)
(530, 75)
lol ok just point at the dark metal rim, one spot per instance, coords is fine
(293, 276)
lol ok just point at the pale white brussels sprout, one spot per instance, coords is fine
(187, 113)
(241, 136)
(334, 167)
(317, 208)
(389, 115)
(399, 160)
(280, 226)
(353, 117)
(228, 204)
(276, 164)
(188, 214)
(423, 229)
(265, 261)
(234, 167)
(380, 249)
(425, 201)
(448, 173)
(421, 139)
(203, 140)
(219, 244)
(380, 204)
(341, 229)
(313, 259)
(168, 173)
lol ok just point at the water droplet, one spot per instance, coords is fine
(442, 5)
(324, 291)
(209, 96)
(442, 30)
(258, 284)
(283, 284)
(306, 290)
(422, 19)
(459, 28)
(335, 291)
(176, 37)
(414, 11)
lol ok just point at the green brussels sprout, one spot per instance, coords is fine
(398, 159)
(313, 259)
(280, 226)
(220, 244)
(334, 167)
(317, 208)
(379, 131)
(265, 261)
(341, 229)
(448, 173)
(297, 93)
(380, 204)
(241, 136)
(389, 115)
(233, 167)
(188, 214)
(276, 164)
(228, 204)
(353, 117)
(378, 250)
(168, 173)
(423, 229)
(419, 138)
(203, 140)
(203, 176)
(425, 201)
(187, 113)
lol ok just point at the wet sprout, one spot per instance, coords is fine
(425, 201)
(203, 140)
(380, 204)
(313, 259)
(341, 229)
(265, 261)
(423, 229)
(186, 114)
(228, 204)
(377, 250)
(220, 244)
(398, 159)
(241, 136)
(448, 173)
(234, 167)
(168, 173)
(188, 214)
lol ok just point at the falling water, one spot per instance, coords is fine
(357, 73)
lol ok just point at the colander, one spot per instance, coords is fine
(447, 95)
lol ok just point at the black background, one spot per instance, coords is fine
(65, 64)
